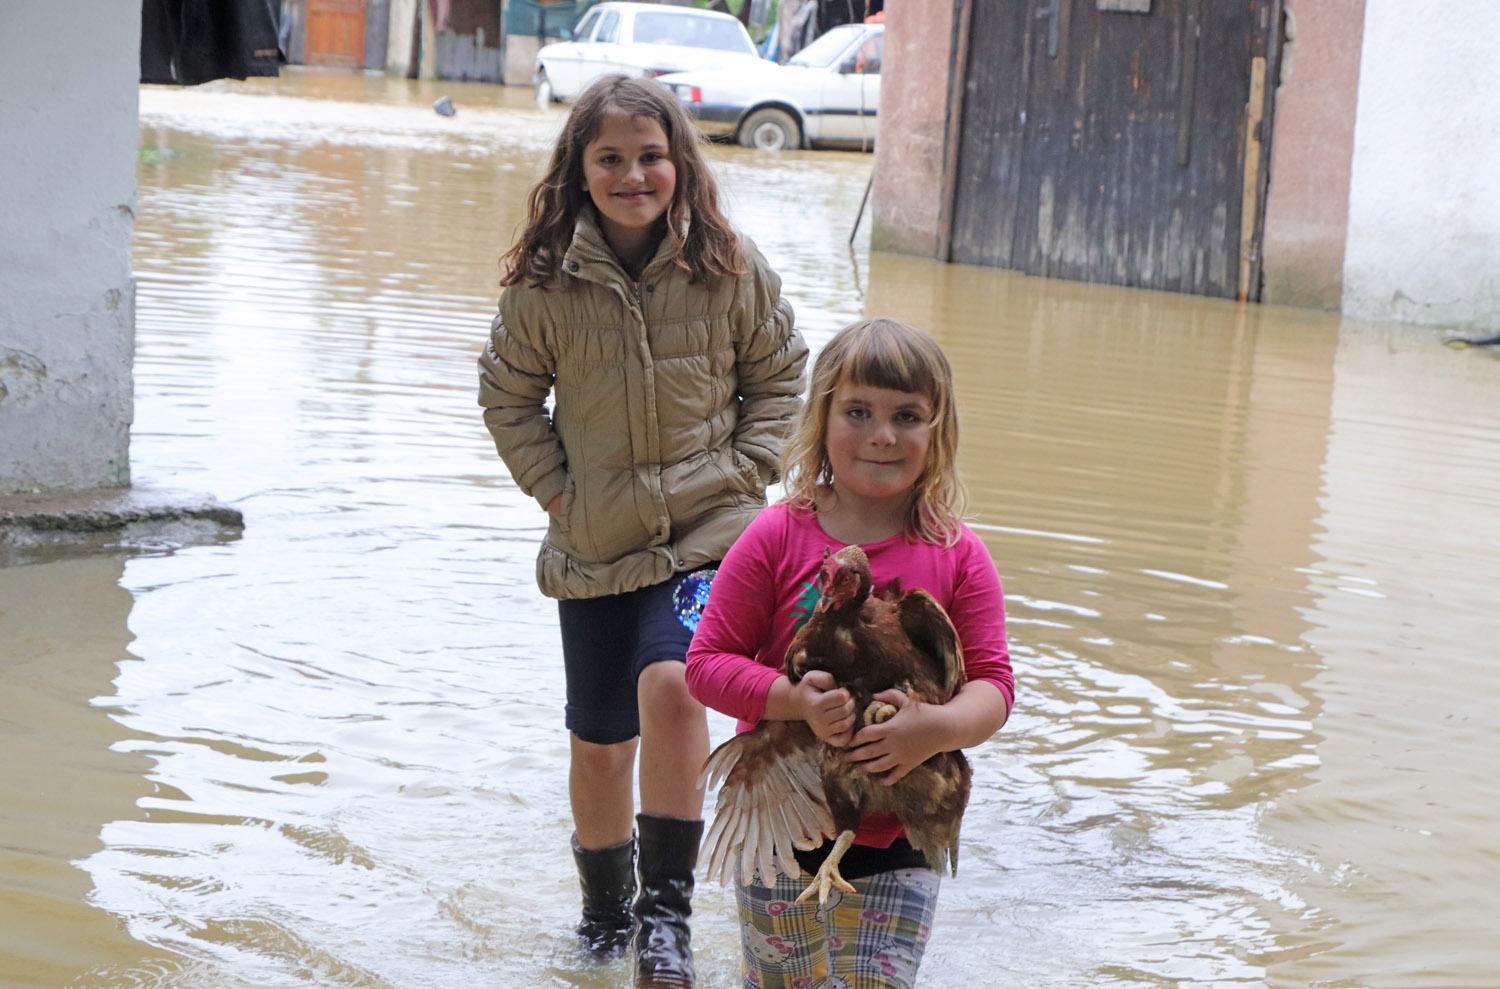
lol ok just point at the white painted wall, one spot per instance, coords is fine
(69, 76)
(1424, 204)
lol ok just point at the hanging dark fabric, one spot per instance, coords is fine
(187, 42)
(832, 13)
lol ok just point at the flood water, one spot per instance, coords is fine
(1251, 558)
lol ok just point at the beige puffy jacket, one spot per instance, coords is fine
(670, 403)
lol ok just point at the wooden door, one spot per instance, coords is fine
(1118, 141)
(336, 33)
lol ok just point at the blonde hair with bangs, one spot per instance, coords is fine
(883, 353)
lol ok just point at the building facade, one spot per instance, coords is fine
(1334, 154)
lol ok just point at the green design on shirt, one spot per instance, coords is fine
(803, 607)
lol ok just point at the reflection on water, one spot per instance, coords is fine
(65, 776)
(1249, 554)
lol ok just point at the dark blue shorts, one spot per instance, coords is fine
(608, 641)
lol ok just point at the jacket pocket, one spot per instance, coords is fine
(565, 507)
(602, 523)
(560, 526)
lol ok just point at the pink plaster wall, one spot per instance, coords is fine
(915, 75)
(1312, 147)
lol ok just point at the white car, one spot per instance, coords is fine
(827, 93)
(641, 39)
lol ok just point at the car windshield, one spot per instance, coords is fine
(826, 50)
(691, 32)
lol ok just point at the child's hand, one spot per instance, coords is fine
(890, 750)
(826, 707)
(554, 507)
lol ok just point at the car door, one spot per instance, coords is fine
(867, 69)
(566, 65)
(604, 49)
(842, 100)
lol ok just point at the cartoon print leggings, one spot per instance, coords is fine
(869, 939)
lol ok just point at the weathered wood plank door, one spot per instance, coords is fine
(336, 33)
(1125, 145)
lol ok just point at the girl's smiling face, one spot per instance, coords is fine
(630, 176)
(877, 441)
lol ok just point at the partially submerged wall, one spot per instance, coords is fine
(909, 151)
(1424, 202)
(1307, 205)
(468, 40)
(67, 201)
(377, 33)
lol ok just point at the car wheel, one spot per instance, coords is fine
(544, 93)
(770, 129)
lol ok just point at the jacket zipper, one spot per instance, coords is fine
(648, 367)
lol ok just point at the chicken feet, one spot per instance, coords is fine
(877, 712)
(828, 873)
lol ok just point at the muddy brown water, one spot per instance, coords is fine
(1251, 557)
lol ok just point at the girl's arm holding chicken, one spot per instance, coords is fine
(982, 705)
(733, 665)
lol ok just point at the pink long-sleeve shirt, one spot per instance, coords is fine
(765, 589)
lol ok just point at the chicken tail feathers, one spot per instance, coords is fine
(770, 802)
(941, 857)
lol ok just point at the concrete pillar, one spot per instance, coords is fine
(428, 62)
(69, 77)
(519, 67)
(411, 34)
(401, 37)
(1312, 148)
(916, 72)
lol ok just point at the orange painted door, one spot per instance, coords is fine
(336, 33)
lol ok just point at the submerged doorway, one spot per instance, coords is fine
(1118, 141)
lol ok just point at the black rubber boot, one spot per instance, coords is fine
(669, 851)
(607, 876)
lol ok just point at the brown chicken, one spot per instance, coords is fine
(784, 788)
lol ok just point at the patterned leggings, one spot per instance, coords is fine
(870, 939)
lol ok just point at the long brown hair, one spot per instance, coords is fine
(883, 353)
(703, 242)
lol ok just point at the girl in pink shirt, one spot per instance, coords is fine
(871, 462)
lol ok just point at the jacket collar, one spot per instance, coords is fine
(596, 261)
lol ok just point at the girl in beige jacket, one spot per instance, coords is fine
(674, 370)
